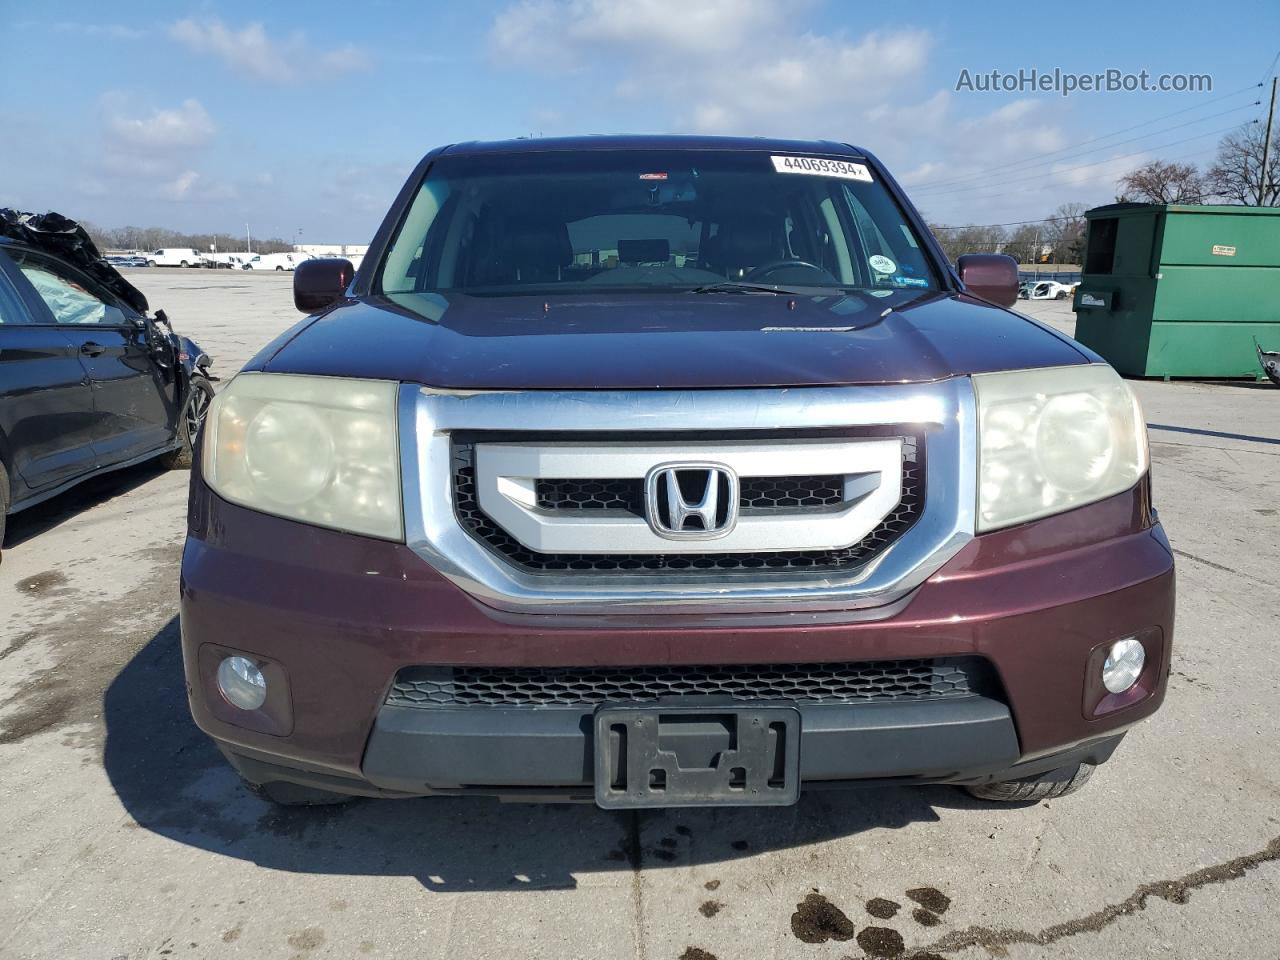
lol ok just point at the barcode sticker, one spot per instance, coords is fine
(822, 167)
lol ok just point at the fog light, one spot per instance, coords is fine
(243, 684)
(1123, 665)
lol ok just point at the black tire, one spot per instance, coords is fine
(193, 414)
(1062, 295)
(280, 269)
(1046, 786)
(151, 263)
(285, 794)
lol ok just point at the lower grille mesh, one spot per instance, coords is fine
(855, 682)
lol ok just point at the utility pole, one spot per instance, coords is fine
(1266, 145)
(248, 244)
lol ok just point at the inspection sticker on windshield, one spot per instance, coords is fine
(817, 166)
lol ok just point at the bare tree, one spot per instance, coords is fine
(153, 238)
(957, 241)
(1158, 182)
(1064, 230)
(1234, 176)
(1024, 243)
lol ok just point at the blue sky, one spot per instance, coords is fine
(307, 117)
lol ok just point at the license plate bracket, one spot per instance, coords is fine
(656, 756)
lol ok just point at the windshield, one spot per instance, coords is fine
(558, 222)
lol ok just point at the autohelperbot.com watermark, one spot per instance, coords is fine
(1065, 83)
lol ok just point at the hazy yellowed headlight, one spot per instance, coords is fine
(322, 450)
(1054, 439)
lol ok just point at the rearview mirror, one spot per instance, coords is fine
(320, 282)
(991, 276)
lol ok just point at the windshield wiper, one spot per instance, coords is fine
(739, 286)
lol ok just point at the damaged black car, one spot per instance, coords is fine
(90, 381)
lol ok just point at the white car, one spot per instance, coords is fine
(272, 261)
(1050, 290)
(175, 257)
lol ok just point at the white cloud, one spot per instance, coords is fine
(562, 33)
(155, 152)
(971, 154)
(186, 126)
(807, 78)
(252, 52)
(761, 67)
(732, 65)
(1086, 174)
(179, 187)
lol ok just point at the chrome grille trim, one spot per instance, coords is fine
(899, 518)
(944, 412)
(505, 476)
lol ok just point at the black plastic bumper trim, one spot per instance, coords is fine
(413, 750)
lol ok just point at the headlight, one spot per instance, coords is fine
(1054, 439)
(322, 450)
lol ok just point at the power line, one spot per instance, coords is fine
(1096, 163)
(1271, 69)
(1012, 223)
(1179, 126)
(1004, 194)
(1108, 136)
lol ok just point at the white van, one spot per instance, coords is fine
(272, 261)
(175, 257)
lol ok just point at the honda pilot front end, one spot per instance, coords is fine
(669, 472)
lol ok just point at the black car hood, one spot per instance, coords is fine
(665, 340)
(67, 239)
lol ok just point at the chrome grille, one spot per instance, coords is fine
(763, 493)
(852, 682)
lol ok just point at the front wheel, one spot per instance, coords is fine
(151, 263)
(198, 399)
(1045, 786)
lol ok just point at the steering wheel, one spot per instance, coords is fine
(762, 272)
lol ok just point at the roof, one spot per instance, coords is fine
(1129, 208)
(651, 142)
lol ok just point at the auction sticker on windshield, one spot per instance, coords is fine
(820, 167)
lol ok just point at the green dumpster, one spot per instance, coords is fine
(1180, 291)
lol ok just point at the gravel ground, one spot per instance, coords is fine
(124, 834)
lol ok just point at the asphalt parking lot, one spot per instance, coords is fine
(123, 834)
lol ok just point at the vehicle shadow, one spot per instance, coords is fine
(1216, 434)
(172, 781)
(44, 517)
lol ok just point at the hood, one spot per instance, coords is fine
(673, 341)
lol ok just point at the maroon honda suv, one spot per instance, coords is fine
(669, 472)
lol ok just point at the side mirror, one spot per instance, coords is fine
(991, 276)
(318, 283)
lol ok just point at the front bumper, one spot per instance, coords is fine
(333, 617)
